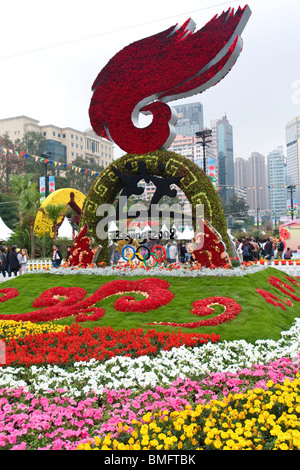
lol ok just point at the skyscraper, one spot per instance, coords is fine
(222, 145)
(241, 174)
(293, 155)
(277, 181)
(190, 118)
(256, 194)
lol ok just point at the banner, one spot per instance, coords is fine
(42, 188)
(51, 184)
(211, 163)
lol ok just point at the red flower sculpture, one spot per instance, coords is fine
(82, 252)
(203, 307)
(213, 252)
(9, 293)
(148, 73)
(61, 302)
(272, 299)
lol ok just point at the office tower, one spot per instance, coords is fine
(277, 181)
(256, 194)
(222, 146)
(293, 156)
(189, 118)
(241, 178)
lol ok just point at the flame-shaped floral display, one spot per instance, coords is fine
(173, 64)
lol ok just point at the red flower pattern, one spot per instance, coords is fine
(9, 293)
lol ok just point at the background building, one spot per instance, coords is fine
(190, 118)
(64, 143)
(256, 191)
(277, 182)
(222, 148)
(293, 155)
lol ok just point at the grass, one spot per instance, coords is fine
(257, 320)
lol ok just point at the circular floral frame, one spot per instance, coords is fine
(196, 186)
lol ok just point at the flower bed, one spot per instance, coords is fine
(70, 389)
(80, 407)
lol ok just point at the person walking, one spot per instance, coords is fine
(288, 254)
(269, 251)
(280, 248)
(173, 252)
(3, 262)
(56, 257)
(247, 249)
(13, 261)
(24, 261)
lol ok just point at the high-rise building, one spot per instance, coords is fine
(277, 181)
(64, 143)
(241, 177)
(189, 118)
(256, 194)
(293, 155)
(222, 147)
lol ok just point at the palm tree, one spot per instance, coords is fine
(55, 214)
(18, 184)
(29, 200)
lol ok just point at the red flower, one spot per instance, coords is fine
(9, 293)
(202, 308)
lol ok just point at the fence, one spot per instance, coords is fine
(33, 265)
(292, 269)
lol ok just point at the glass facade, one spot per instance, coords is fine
(58, 150)
(189, 119)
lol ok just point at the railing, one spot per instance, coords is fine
(39, 264)
(292, 268)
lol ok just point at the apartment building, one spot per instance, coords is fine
(71, 142)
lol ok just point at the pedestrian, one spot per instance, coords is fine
(288, 254)
(247, 249)
(256, 250)
(56, 257)
(24, 261)
(183, 251)
(13, 261)
(280, 248)
(68, 252)
(269, 251)
(167, 247)
(7, 251)
(3, 262)
(173, 252)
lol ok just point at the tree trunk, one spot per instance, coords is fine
(31, 226)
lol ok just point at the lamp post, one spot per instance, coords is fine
(204, 136)
(46, 155)
(292, 189)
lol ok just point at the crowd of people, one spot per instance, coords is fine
(13, 261)
(251, 249)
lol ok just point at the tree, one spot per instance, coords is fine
(29, 200)
(10, 163)
(237, 207)
(55, 213)
(82, 181)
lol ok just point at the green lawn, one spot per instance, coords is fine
(257, 320)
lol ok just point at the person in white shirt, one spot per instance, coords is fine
(173, 252)
(24, 261)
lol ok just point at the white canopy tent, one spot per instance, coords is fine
(65, 230)
(187, 234)
(5, 232)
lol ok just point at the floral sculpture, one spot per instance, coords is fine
(172, 64)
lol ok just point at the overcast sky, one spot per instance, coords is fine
(50, 54)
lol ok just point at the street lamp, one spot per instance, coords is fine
(46, 155)
(204, 136)
(292, 189)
